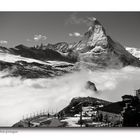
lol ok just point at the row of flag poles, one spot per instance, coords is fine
(39, 113)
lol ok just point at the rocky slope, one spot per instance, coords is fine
(76, 103)
(60, 47)
(17, 66)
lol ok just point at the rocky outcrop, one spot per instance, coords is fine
(90, 85)
(76, 103)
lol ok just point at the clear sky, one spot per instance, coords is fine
(31, 28)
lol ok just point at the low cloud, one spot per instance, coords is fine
(3, 42)
(37, 37)
(74, 19)
(22, 97)
(75, 34)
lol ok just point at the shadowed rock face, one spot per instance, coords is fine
(40, 53)
(60, 47)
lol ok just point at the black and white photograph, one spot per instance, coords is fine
(69, 69)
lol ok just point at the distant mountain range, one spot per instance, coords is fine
(95, 50)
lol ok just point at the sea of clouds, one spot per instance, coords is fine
(20, 97)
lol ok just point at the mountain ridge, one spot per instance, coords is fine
(95, 50)
(77, 103)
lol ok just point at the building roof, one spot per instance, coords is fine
(116, 108)
(128, 96)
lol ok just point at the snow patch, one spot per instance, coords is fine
(13, 58)
(134, 51)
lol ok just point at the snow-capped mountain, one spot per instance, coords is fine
(98, 48)
(134, 51)
(13, 58)
(95, 50)
(16, 65)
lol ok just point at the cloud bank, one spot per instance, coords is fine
(19, 98)
(3, 42)
(75, 34)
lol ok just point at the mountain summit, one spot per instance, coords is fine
(98, 48)
(95, 36)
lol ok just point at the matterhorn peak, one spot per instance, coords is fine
(99, 48)
(96, 34)
(93, 21)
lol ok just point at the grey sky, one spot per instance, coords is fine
(31, 28)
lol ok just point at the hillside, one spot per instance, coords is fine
(76, 103)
